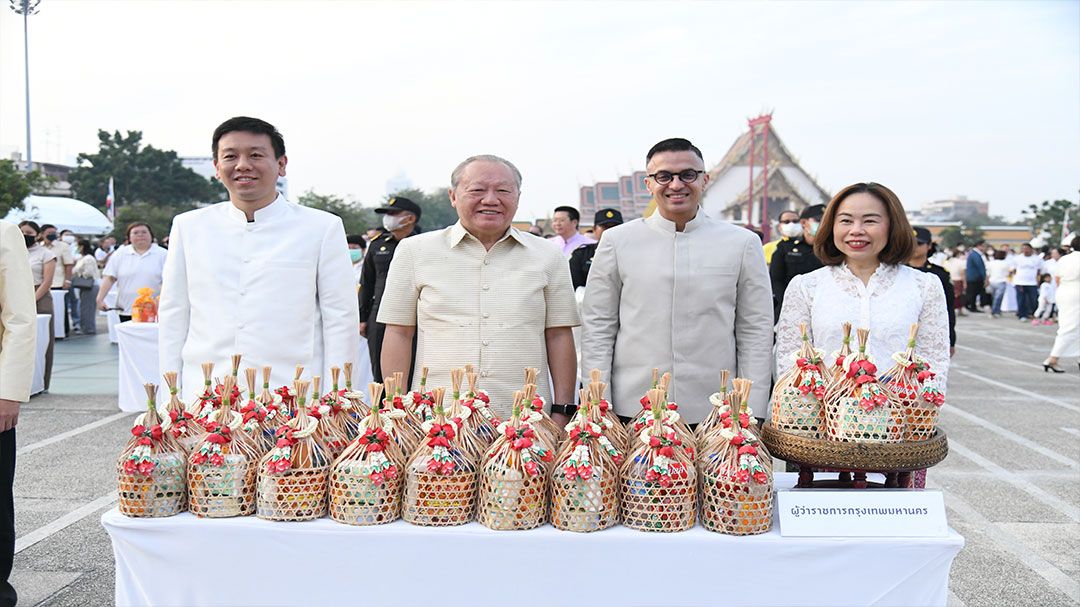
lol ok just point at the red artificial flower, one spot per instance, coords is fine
(130, 466)
(217, 459)
(447, 467)
(198, 458)
(667, 451)
(761, 477)
(547, 456)
(665, 480)
(742, 476)
(390, 472)
(651, 475)
(433, 465)
(377, 478)
(570, 472)
(748, 450)
(618, 458)
(585, 472)
(645, 402)
(145, 467)
(654, 441)
(537, 403)
(483, 398)
(531, 468)
(737, 439)
(522, 443)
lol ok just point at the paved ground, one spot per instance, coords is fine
(1012, 479)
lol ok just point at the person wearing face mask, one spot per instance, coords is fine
(787, 225)
(795, 254)
(65, 262)
(71, 300)
(401, 217)
(357, 248)
(42, 269)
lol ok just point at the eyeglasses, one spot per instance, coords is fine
(665, 177)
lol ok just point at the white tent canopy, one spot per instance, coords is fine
(64, 213)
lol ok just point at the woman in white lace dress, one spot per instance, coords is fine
(866, 283)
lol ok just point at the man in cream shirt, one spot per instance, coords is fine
(18, 339)
(256, 275)
(481, 292)
(680, 291)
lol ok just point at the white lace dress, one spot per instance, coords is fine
(895, 297)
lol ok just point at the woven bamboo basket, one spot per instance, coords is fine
(797, 400)
(293, 475)
(585, 476)
(331, 433)
(513, 479)
(719, 402)
(338, 406)
(410, 427)
(916, 389)
(670, 415)
(483, 422)
(467, 437)
(366, 482)
(735, 470)
(182, 425)
(151, 478)
(254, 415)
(859, 408)
(658, 490)
(224, 465)
(441, 480)
(601, 412)
(878, 457)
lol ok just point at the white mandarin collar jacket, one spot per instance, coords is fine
(279, 290)
(691, 302)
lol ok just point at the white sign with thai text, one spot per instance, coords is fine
(861, 513)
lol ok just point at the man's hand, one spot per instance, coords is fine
(561, 418)
(952, 351)
(9, 414)
(101, 305)
(363, 329)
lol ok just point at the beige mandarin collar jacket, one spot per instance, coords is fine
(691, 302)
(18, 316)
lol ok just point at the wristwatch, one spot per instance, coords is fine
(567, 410)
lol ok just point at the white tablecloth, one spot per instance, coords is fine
(37, 382)
(59, 310)
(171, 561)
(138, 363)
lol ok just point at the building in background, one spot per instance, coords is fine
(957, 207)
(57, 173)
(627, 193)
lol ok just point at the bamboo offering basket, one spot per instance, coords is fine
(410, 427)
(277, 411)
(183, 427)
(513, 479)
(151, 477)
(467, 437)
(736, 476)
(585, 476)
(335, 406)
(254, 415)
(331, 433)
(916, 389)
(659, 484)
(224, 465)
(545, 425)
(836, 372)
(483, 421)
(366, 481)
(441, 479)
(669, 415)
(720, 403)
(600, 411)
(797, 399)
(293, 475)
(204, 402)
(359, 409)
(858, 407)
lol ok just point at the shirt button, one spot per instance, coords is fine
(485, 287)
(483, 374)
(486, 262)
(486, 315)
(486, 342)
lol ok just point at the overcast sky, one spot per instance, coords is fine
(931, 99)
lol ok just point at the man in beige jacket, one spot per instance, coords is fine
(18, 337)
(679, 291)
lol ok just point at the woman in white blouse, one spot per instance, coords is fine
(133, 266)
(866, 283)
(1067, 342)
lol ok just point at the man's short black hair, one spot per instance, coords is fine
(249, 125)
(979, 243)
(46, 226)
(675, 144)
(574, 214)
(356, 239)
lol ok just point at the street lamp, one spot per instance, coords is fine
(26, 8)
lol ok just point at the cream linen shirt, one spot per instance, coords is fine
(64, 257)
(18, 315)
(486, 308)
(278, 290)
(691, 302)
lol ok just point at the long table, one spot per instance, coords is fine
(183, 560)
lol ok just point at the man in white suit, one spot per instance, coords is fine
(680, 291)
(18, 339)
(256, 275)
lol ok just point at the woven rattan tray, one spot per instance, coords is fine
(876, 457)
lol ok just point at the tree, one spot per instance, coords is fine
(357, 219)
(16, 185)
(141, 174)
(952, 236)
(1048, 217)
(436, 212)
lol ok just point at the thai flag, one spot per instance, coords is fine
(110, 211)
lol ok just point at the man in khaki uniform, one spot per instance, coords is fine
(481, 292)
(680, 291)
(18, 339)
